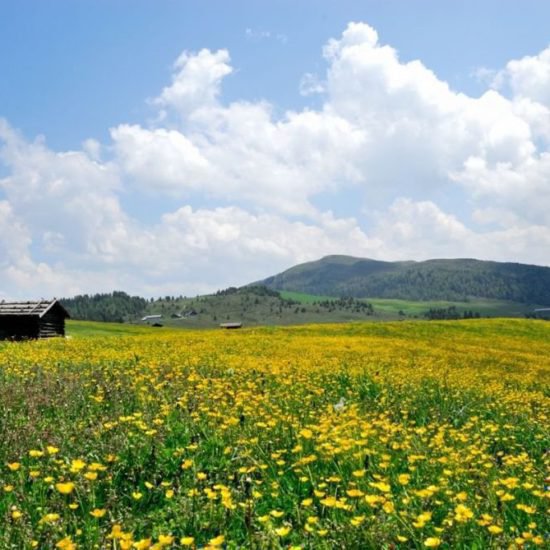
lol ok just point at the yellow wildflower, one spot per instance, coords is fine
(165, 540)
(66, 544)
(50, 518)
(77, 465)
(186, 464)
(142, 544)
(65, 488)
(283, 531)
(36, 454)
(404, 479)
(381, 486)
(463, 513)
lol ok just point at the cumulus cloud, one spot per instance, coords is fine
(65, 194)
(240, 153)
(196, 81)
(15, 238)
(528, 77)
(390, 132)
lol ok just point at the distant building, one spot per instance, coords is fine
(151, 318)
(23, 320)
(231, 325)
(542, 313)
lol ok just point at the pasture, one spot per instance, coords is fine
(365, 435)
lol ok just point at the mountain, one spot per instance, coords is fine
(454, 280)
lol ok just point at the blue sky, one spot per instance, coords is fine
(73, 69)
(431, 138)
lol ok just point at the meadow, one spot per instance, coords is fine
(391, 308)
(363, 435)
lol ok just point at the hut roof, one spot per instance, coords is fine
(30, 309)
(231, 325)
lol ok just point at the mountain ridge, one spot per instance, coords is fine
(434, 279)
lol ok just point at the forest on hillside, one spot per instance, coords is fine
(113, 307)
(453, 280)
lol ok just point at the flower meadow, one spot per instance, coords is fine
(389, 435)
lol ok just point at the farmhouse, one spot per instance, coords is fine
(41, 319)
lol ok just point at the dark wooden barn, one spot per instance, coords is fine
(22, 320)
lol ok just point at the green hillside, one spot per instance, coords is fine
(341, 288)
(257, 306)
(249, 305)
(460, 280)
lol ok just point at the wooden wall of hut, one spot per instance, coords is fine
(19, 327)
(51, 324)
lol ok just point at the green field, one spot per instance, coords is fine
(391, 307)
(80, 329)
(398, 435)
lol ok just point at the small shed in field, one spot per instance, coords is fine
(41, 319)
(231, 325)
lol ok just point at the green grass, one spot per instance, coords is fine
(392, 307)
(303, 298)
(87, 329)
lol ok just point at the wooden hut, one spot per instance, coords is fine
(23, 320)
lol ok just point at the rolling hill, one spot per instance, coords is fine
(453, 280)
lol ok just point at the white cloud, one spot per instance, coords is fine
(256, 35)
(391, 132)
(311, 84)
(421, 230)
(528, 77)
(196, 81)
(14, 237)
(67, 194)
(163, 158)
(241, 153)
